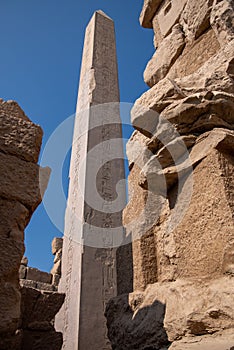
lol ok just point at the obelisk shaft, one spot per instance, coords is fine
(88, 266)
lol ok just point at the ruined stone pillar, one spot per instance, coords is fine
(93, 222)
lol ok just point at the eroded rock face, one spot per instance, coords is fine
(165, 56)
(181, 190)
(165, 312)
(20, 194)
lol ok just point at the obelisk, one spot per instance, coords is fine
(93, 227)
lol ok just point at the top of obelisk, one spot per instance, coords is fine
(100, 12)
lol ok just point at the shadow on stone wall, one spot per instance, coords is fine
(129, 328)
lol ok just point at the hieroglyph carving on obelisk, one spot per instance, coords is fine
(93, 222)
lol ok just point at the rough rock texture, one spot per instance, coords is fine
(25, 313)
(222, 20)
(165, 56)
(57, 246)
(20, 194)
(148, 11)
(165, 312)
(165, 18)
(196, 18)
(38, 309)
(180, 213)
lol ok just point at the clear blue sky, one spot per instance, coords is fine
(41, 48)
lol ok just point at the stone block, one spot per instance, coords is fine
(195, 18)
(165, 56)
(24, 261)
(56, 269)
(11, 341)
(166, 312)
(222, 21)
(19, 137)
(45, 286)
(136, 149)
(28, 283)
(57, 244)
(194, 55)
(55, 280)
(14, 218)
(167, 16)
(222, 340)
(214, 75)
(199, 113)
(39, 306)
(41, 340)
(154, 174)
(148, 11)
(37, 275)
(12, 109)
(9, 305)
(22, 272)
(22, 181)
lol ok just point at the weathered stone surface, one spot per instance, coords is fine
(57, 244)
(139, 217)
(37, 275)
(201, 112)
(195, 18)
(214, 75)
(11, 341)
(37, 306)
(174, 150)
(149, 9)
(158, 167)
(128, 331)
(24, 261)
(14, 217)
(223, 340)
(166, 17)
(56, 279)
(222, 20)
(20, 142)
(56, 269)
(9, 305)
(12, 109)
(137, 150)
(194, 55)
(23, 181)
(42, 340)
(22, 272)
(37, 285)
(168, 311)
(183, 249)
(45, 286)
(19, 136)
(164, 57)
(28, 283)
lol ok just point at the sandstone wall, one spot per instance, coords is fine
(181, 185)
(25, 313)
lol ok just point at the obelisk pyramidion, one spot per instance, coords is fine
(93, 221)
